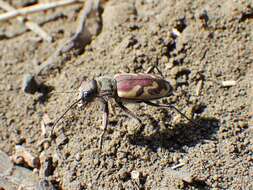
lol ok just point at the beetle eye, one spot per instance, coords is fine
(88, 90)
(86, 96)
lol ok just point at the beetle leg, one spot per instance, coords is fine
(69, 108)
(170, 106)
(125, 109)
(151, 69)
(105, 120)
(112, 108)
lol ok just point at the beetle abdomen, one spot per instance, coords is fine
(141, 86)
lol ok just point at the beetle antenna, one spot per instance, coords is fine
(67, 92)
(69, 108)
(170, 106)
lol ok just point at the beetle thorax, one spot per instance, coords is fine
(106, 86)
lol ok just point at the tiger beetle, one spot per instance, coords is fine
(123, 88)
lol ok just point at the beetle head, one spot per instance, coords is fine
(88, 91)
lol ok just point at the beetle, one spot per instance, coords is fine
(135, 88)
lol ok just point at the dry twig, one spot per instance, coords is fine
(36, 8)
(77, 43)
(199, 87)
(29, 24)
(177, 166)
(228, 83)
(81, 38)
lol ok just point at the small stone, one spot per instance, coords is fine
(78, 157)
(15, 177)
(228, 83)
(135, 175)
(30, 84)
(182, 79)
(215, 177)
(24, 156)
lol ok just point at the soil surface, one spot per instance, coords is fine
(196, 44)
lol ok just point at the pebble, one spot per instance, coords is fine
(135, 175)
(16, 177)
(30, 84)
(78, 157)
(24, 156)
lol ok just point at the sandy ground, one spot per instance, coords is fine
(196, 44)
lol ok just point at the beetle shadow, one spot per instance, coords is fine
(45, 92)
(180, 137)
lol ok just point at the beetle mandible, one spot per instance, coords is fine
(135, 88)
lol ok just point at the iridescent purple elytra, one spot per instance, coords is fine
(141, 86)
